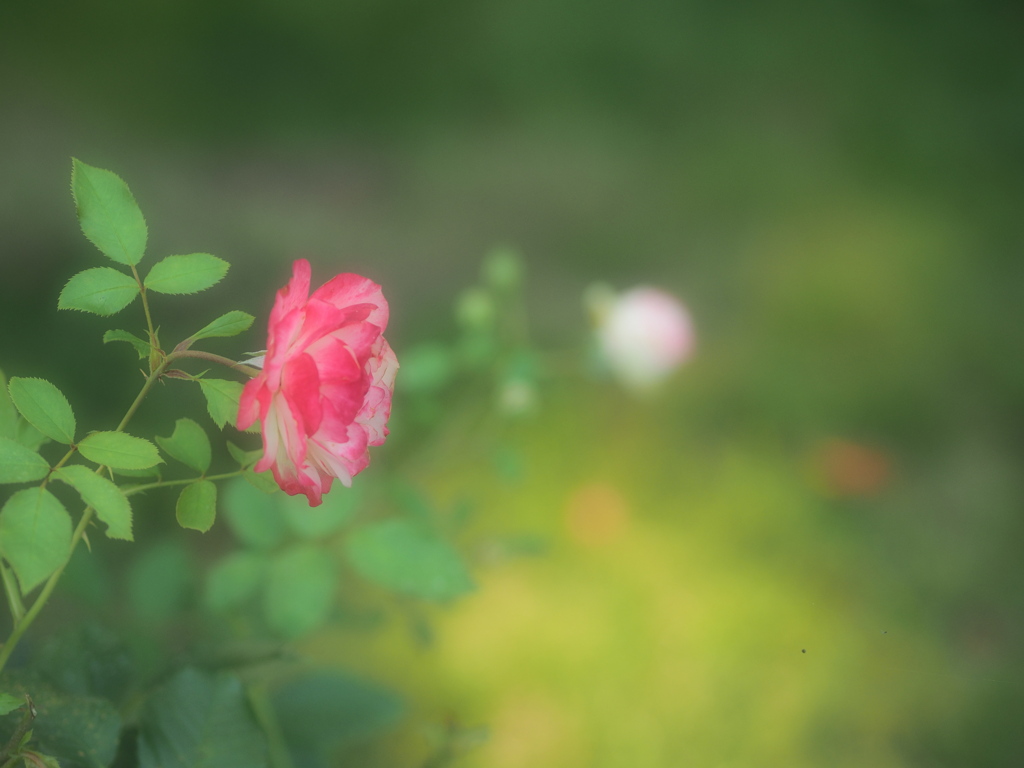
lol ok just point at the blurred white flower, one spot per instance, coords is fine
(643, 334)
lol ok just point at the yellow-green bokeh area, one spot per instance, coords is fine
(706, 605)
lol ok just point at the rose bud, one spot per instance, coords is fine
(643, 335)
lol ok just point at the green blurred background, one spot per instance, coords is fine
(806, 551)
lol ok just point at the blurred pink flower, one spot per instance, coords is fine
(324, 394)
(644, 334)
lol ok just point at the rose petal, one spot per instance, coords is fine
(301, 388)
(349, 289)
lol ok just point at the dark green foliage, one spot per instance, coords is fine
(160, 581)
(322, 712)
(79, 729)
(300, 590)
(199, 720)
(86, 661)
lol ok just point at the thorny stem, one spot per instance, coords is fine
(150, 381)
(19, 733)
(145, 306)
(165, 483)
(248, 370)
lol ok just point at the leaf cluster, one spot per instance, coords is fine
(292, 556)
(92, 704)
(111, 220)
(90, 708)
(35, 527)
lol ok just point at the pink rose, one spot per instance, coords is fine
(644, 334)
(324, 394)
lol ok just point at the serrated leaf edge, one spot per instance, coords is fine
(185, 293)
(62, 305)
(75, 162)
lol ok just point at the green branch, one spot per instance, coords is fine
(165, 483)
(248, 370)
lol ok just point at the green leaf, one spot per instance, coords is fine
(243, 457)
(141, 345)
(189, 445)
(230, 324)
(234, 581)
(315, 522)
(29, 436)
(101, 290)
(107, 499)
(300, 590)
(119, 451)
(197, 506)
(159, 582)
(44, 407)
(221, 399)
(186, 274)
(108, 213)
(12, 425)
(19, 464)
(408, 558)
(79, 731)
(35, 535)
(264, 481)
(10, 703)
(253, 516)
(200, 721)
(323, 711)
